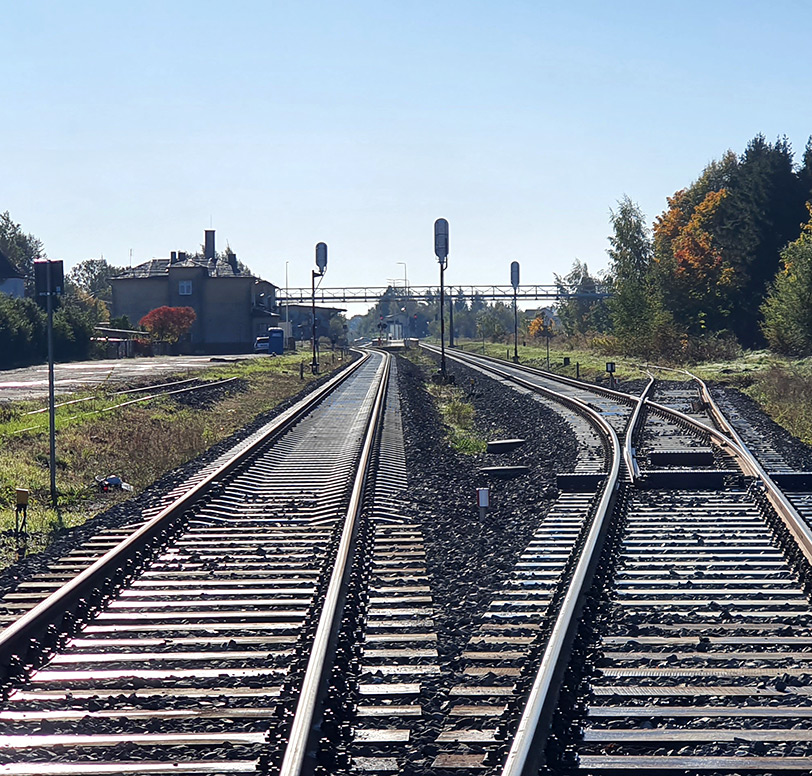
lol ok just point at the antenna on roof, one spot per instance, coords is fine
(131, 258)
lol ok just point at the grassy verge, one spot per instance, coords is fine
(781, 386)
(454, 408)
(139, 442)
(785, 394)
(589, 366)
(458, 415)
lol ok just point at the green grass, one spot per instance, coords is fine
(452, 404)
(784, 391)
(781, 386)
(589, 365)
(83, 407)
(458, 415)
(140, 442)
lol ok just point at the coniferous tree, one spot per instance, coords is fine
(717, 246)
(787, 310)
(767, 199)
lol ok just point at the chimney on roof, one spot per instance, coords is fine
(232, 260)
(208, 252)
(181, 256)
(173, 257)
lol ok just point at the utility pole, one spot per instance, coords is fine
(51, 405)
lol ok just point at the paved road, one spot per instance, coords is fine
(32, 382)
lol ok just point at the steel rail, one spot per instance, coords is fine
(629, 449)
(112, 393)
(797, 526)
(528, 741)
(721, 438)
(524, 755)
(33, 626)
(736, 448)
(613, 393)
(319, 663)
(629, 453)
(729, 438)
(140, 399)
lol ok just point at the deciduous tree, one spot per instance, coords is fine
(701, 287)
(541, 326)
(640, 321)
(22, 249)
(168, 324)
(787, 310)
(582, 308)
(93, 276)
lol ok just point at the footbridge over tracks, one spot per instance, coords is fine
(430, 293)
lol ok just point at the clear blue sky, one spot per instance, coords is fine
(137, 125)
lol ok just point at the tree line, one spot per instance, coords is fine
(83, 305)
(23, 321)
(474, 318)
(727, 264)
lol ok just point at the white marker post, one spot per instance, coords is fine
(483, 497)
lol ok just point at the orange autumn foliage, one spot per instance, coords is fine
(697, 257)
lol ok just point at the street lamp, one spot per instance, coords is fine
(441, 252)
(321, 263)
(547, 336)
(287, 306)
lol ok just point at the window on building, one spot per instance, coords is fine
(185, 287)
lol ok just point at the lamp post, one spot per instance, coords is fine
(547, 335)
(514, 281)
(450, 316)
(441, 252)
(321, 263)
(287, 303)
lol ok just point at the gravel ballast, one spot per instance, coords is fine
(469, 559)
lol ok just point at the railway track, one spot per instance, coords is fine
(285, 622)
(191, 661)
(125, 398)
(703, 575)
